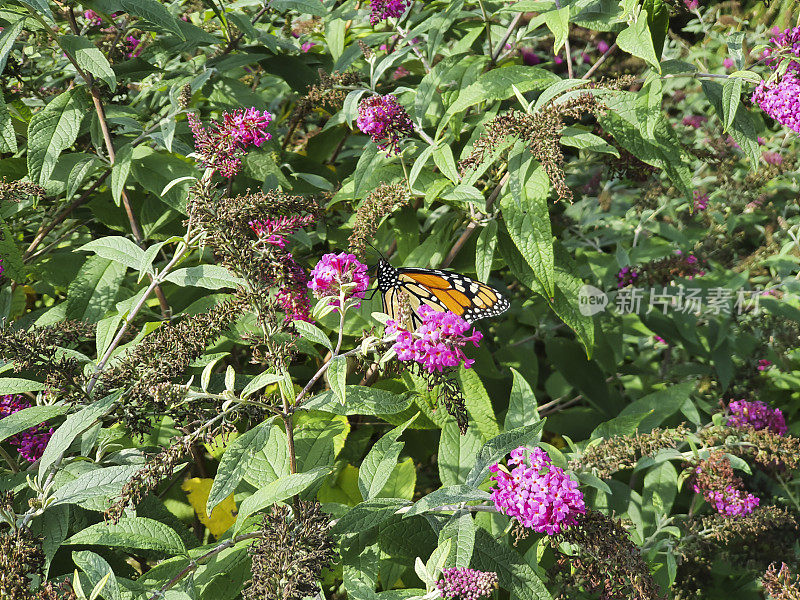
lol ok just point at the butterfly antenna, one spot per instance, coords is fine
(378, 251)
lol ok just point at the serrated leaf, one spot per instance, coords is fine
(311, 7)
(313, 333)
(236, 461)
(94, 291)
(153, 11)
(731, 99)
(260, 381)
(514, 573)
(457, 453)
(100, 483)
(522, 405)
(402, 481)
(557, 22)
(78, 174)
(118, 249)
(7, 39)
(368, 514)
(496, 448)
(131, 533)
(71, 428)
(89, 58)
(360, 401)
(662, 403)
(743, 130)
(626, 424)
(478, 403)
(452, 494)
(27, 417)
(120, 171)
(380, 461)
(484, 250)
(277, 491)
(461, 529)
(96, 569)
(212, 277)
(52, 130)
(16, 385)
(8, 138)
(636, 40)
(41, 7)
(443, 158)
(337, 377)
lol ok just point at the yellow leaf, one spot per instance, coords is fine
(222, 517)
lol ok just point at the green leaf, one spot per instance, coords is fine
(154, 12)
(120, 171)
(743, 129)
(12, 257)
(585, 140)
(96, 568)
(74, 425)
(131, 533)
(636, 40)
(78, 174)
(260, 381)
(8, 137)
(380, 461)
(557, 22)
(277, 491)
(515, 575)
(457, 453)
(236, 461)
(461, 530)
(496, 448)
(368, 514)
(443, 157)
(528, 219)
(360, 401)
(52, 130)
(522, 405)
(27, 417)
(452, 494)
(484, 250)
(337, 377)
(41, 7)
(734, 41)
(313, 333)
(624, 424)
(94, 291)
(660, 405)
(402, 481)
(311, 7)
(89, 58)
(118, 249)
(658, 22)
(660, 488)
(15, 385)
(478, 403)
(7, 39)
(212, 277)
(731, 100)
(155, 170)
(99, 485)
(335, 30)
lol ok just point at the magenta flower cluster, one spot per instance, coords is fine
(31, 442)
(627, 276)
(385, 121)
(730, 501)
(92, 18)
(780, 98)
(133, 47)
(466, 584)
(380, 10)
(335, 271)
(539, 495)
(756, 414)
(772, 158)
(275, 231)
(784, 45)
(700, 202)
(764, 364)
(694, 121)
(222, 147)
(437, 343)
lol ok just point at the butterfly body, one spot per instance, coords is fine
(439, 289)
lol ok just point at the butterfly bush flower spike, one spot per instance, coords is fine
(31, 442)
(385, 121)
(715, 480)
(437, 343)
(380, 10)
(222, 146)
(539, 495)
(337, 275)
(780, 97)
(466, 584)
(756, 414)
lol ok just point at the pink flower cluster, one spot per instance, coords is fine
(700, 202)
(380, 10)
(627, 276)
(334, 271)
(730, 501)
(756, 414)
(133, 47)
(691, 4)
(694, 121)
(541, 496)
(785, 44)
(222, 148)
(385, 121)
(92, 18)
(275, 231)
(780, 99)
(31, 442)
(437, 343)
(772, 158)
(764, 364)
(466, 584)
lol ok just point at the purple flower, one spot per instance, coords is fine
(756, 414)
(384, 9)
(539, 495)
(437, 343)
(92, 18)
(780, 99)
(772, 158)
(385, 121)
(691, 4)
(784, 44)
(715, 480)
(293, 292)
(31, 442)
(700, 204)
(466, 584)
(307, 46)
(529, 57)
(274, 231)
(627, 276)
(134, 47)
(730, 502)
(2, 268)
(727, 63)
(222, 148)
(764, 364)
(694, 121)
(659, 340)
(602, 46)
(335, 271)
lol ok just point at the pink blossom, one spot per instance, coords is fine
(437, 343)
(539, 495)
(700, 204)
(756, 414)
(772, 158)
(602, 46)
(780, 99)
(627, 276)
(727, 63)
(307, 46)
(466, 584)
(384, 9)
(92, 18)
(333, 272)
(274, 231)
(385, 121)
(31, 442)
(134, 47)
(764, 364)
(529, 57)
(222, 147)
(691, 4)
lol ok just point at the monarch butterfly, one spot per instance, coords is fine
(441, 290)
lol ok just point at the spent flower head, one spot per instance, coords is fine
(756, 414)
(436, 344)
(385, 121)
(338, 276)
(538, 494)
(466, 584)
(714, 479)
